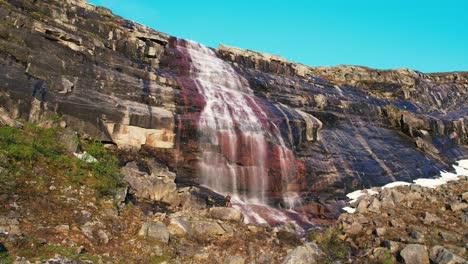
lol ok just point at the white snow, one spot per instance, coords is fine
(460, 169)
(354, 196)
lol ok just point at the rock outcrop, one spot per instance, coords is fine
(128, 85)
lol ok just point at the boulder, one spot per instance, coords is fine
(7, 121)
(439, 254)
(206, 229)
(155, 230)
(415, 254)
(457, 206)
(226, 213)
(157, 186)
(306, 254)
(179, 227)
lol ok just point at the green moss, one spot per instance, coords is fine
(35, 153)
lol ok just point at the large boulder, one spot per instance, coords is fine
(157, 186)
(307, 254)
(415, 254)
(226, 213)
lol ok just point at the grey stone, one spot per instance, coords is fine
(205, 229)
(430, 218)
(306, 254)
(416, 235)
(380, 231)
(447, 236)
(464, 218)
(464, 196)
(179, 227)
(392, 246)
(457, 206)
(226, 213)
(155, 230)
(415, 254)
(375, 206)
(441, 255)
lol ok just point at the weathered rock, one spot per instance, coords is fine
(206, 229)
(179, 227)
(9, 225)
(380, 231)
(441, 255)
(392, 246)
(234, 260)
(353, 229)
(430, 218)
(226, 213)
(306, 254)
(464, 196)
(456, 206)
(154, 230)
(6, 120)
(157, 186)
(415, 254)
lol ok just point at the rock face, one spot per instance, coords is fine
(120, 82)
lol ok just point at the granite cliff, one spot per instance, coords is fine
(118, 143)
(131, 87)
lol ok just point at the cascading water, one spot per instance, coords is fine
(237, 139)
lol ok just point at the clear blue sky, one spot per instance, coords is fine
(425, 35)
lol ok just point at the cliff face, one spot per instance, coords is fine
(131, 86)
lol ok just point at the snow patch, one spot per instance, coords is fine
(460, 169)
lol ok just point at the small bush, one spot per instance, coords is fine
(334, 248)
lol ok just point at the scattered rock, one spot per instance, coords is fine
(234, 260)
(441, 255)
(415, 254)
(392, 246)
(306, 254)
(201, 256)
(430, 218)
(205, 229)
(179, 227)
(457, 206)
(382, 255)
(380, 231)
(155, 230)
(464, 197)
(446, 236)
(416, 235)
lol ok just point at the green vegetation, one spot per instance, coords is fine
(35, 250)
(38, 154)
(333, 247)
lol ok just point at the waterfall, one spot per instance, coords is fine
(238, 141)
